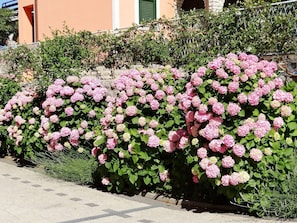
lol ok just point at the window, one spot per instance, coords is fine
(147, 10)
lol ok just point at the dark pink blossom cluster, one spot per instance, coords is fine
(221, 93)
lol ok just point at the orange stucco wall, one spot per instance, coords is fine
(167, 8)
(127, 13)
(91, 15)
(25, 26)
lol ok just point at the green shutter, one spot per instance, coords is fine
(147, 10)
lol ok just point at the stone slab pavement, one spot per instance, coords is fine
(29, 196)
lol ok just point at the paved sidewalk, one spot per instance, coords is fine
(28, 196)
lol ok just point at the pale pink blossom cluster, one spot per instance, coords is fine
(235, 178)
(164, 176)
(134, 114)
(62, 102)
(260, 128)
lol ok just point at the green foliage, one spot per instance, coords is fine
(68, 165)
(274, 199)
(66, 53)
(7, 26)
(9, 86)
(22, 59)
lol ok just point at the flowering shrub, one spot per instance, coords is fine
(8, 87)
(72, 109)
(133, 147)
(236, 116)
(20, 120)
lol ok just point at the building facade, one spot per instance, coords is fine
(37, 19)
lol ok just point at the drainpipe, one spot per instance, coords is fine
(35, 22)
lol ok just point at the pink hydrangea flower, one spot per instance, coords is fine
(54, 118)
(216, 85)
(69, 111)
(278, 122)
(203, 108)
(210, 132)
(153, 124)
(74, 135)
(234, 179)
(170, 90)
(142, 121)
(95, 151)
(242, 98)
(66, 91)
(228, 141)
(253, 99)
(238, 150)
(92, 114)
(279, 95)
(233, 109)
(173, 136)
(111, 143)
(243, 130)
(212, 171)
(256, 154)
(169, 146)
(184, 141)
(31, 121)
(212, 101)
(202, 153)
(233, 86)
(154, 105)
(215, 145)
(153, 141)
(72, 79)
(223, 90)
(164, 176)
(102, 158)
(196, 81)
(131, 110)
(171, 99)
(159, 94)
(228, 162)
(204, 163)
(221, 73)
(76, 97)
(225, 180)
(218, 108)
(201, 71)
(286, 111)
(149, 97)
(105, 181)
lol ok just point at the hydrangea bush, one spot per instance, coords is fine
(72, 109)
(20, 120)
(133, 147)
(239, 120)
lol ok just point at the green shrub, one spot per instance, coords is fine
(66, 53)
(68, 165)
(21, 59)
